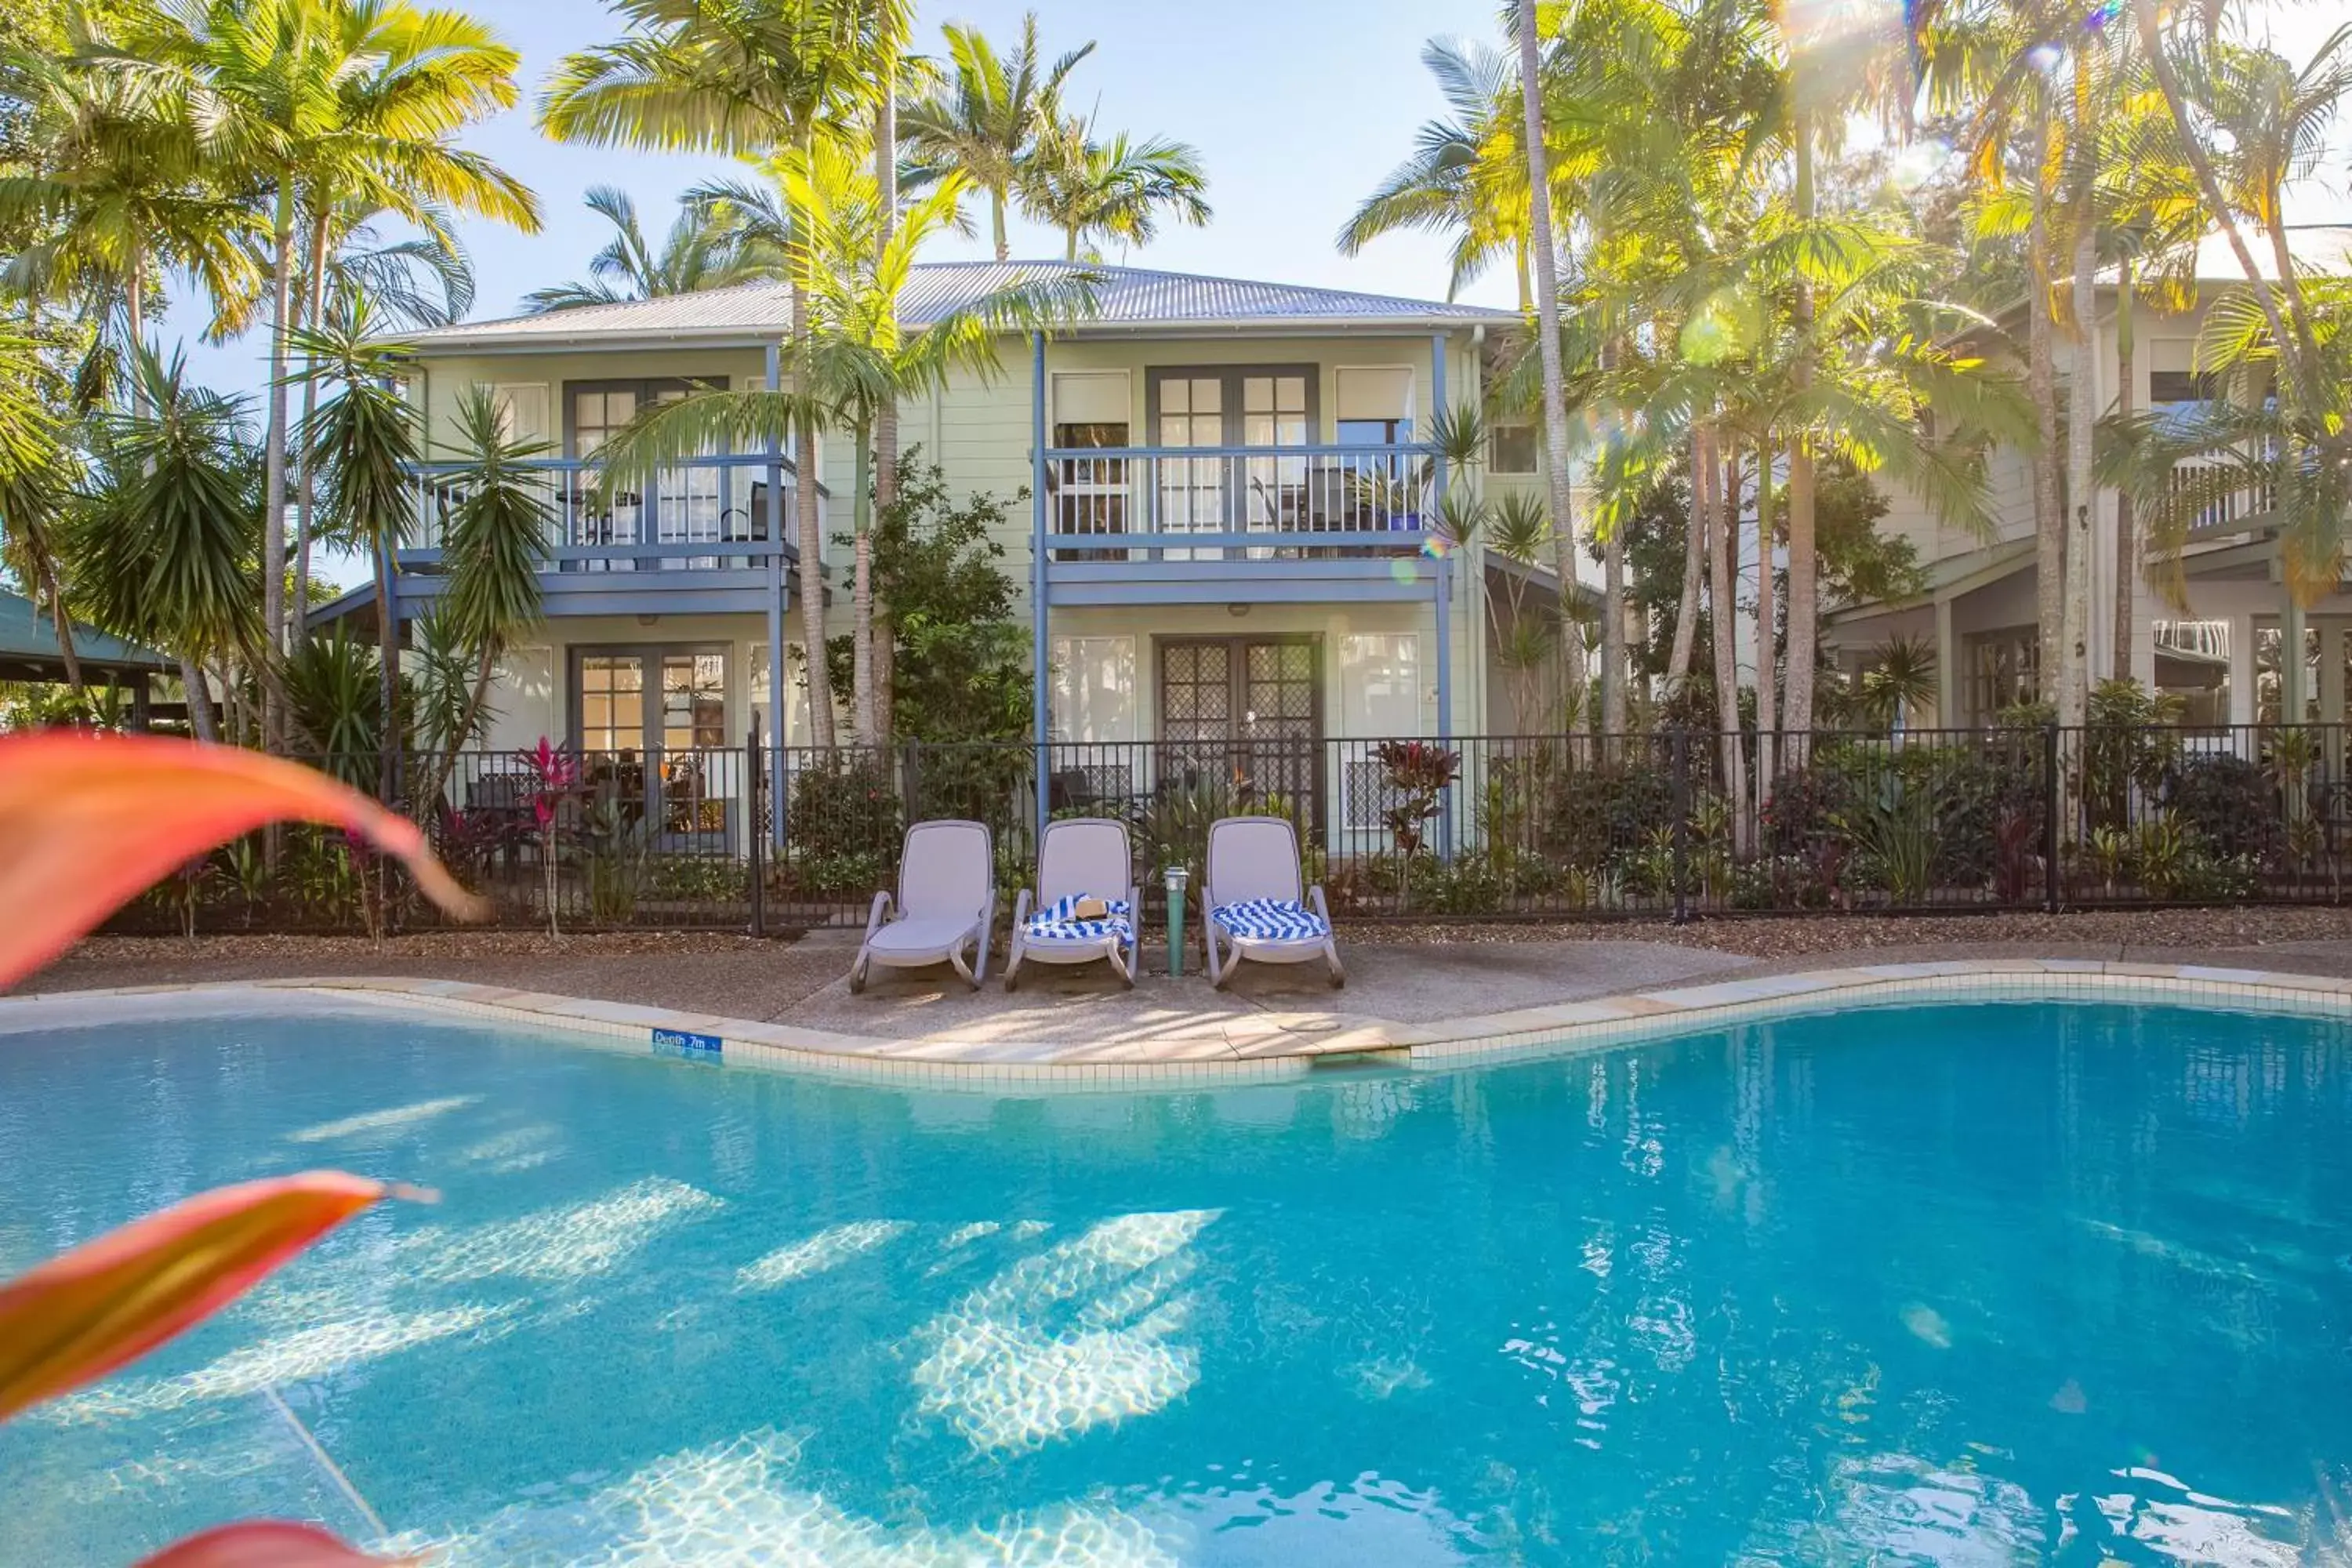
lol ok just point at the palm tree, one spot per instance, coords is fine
(987, 119)
(705, 249)
(854, 361)
(757, 79)
(163, 539)
(1112, 191)
(37, 473)
(1537, 153)
(1465, 176)
(493, 550)
(364, 440)
(325, 103)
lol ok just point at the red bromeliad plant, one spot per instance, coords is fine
(555, 774)
(1414, 775)
(87, 822)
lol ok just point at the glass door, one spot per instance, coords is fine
(1274, 414)
(651, 728)
(1192, 490)
(1242, 716)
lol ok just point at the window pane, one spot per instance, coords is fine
(1257, 394)
(1290, 395)
(1176, 397)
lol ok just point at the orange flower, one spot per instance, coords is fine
(88, 822)
(81, 1315)
(264, 1543)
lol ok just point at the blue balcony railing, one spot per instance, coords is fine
(684, 519)
(1153, 504)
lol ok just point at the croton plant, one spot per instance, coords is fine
(87, 823)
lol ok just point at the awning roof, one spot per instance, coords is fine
(29, 646)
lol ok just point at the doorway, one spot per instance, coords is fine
(1244, 714)
(650, 724)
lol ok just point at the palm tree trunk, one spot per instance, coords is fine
(1555, 377)
(1803, 606)
(2041, 389)
(134, 315)
(1723, 630)
(809, 534)
(1767, 631)
(861, 602)
(2126, 539)
(200, 700)
(390, 741)
(1678, 660)
(1615, 665)
(996, 224)
(885, 416)
(273, 519)
(60, 620)
(2082, 495)
(298, 618)
(447, 763)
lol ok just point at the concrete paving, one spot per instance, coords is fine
(1406, 985)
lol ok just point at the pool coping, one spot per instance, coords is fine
(1308, 1043)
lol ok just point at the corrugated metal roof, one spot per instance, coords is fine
(1125, 296)
(29, 634)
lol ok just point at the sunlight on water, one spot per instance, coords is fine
(826, 1250)
(1067, 1340)
(736, 1503)
(563, 1243)
(398, 1117)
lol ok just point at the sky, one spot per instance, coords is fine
(1298, 109)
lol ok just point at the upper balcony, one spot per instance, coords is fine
(1173, 525)
(707, 535)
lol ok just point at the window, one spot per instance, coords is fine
(1511, 448)
(796, 705)
(1252, 406)
(1376, 406)
(522, 410)
(2173, 375)
(1379, 700)
(1094, 690)
(1090, 409)
(612, 702)
(2003, 670)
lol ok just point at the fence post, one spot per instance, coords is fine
(754, 775)
(2050, 794)
(911, 779)
(1681, 742)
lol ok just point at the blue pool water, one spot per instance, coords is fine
(1955, 1285)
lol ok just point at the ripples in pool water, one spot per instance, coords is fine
(1942, 1285)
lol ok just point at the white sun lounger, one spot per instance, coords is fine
(1080, 857)
(947, 899)
(1250, 901)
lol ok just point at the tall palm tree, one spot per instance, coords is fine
(1540, 242)
(855, 360)
(325, 103)
(1466, 177)
(37, 474)
(704, 249)
(986, 120)
(762, 78)
(493, 550)
(163, 540)
(1113, 190)
(364, 440)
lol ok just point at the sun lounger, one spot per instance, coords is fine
(947, 899)
(1250, 902)
(1083, 862)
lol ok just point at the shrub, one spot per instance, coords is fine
(843, 807)
(2230, 805)
(1596, 813)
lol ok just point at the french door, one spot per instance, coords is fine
(651, 727)
(1229, 406)
(682, 505)
(1244, 716)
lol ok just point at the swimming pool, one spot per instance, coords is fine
(1951, 1284)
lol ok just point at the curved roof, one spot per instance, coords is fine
(1127, 299)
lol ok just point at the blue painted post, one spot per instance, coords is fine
(1039, 645)
(775, 597)
(1443, 576)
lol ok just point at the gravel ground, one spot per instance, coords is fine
(748, 977)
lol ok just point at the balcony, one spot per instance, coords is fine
(1235, 524)
(708, 535)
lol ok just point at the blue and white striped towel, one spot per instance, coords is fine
(1271, 919)
(1058, 921)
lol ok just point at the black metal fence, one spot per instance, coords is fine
(1661, 824)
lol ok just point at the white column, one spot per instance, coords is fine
(1948, 668)
(2242, 666)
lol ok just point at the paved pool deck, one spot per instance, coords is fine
(1405, 1003)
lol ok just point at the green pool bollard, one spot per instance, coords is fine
(1176, 876)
